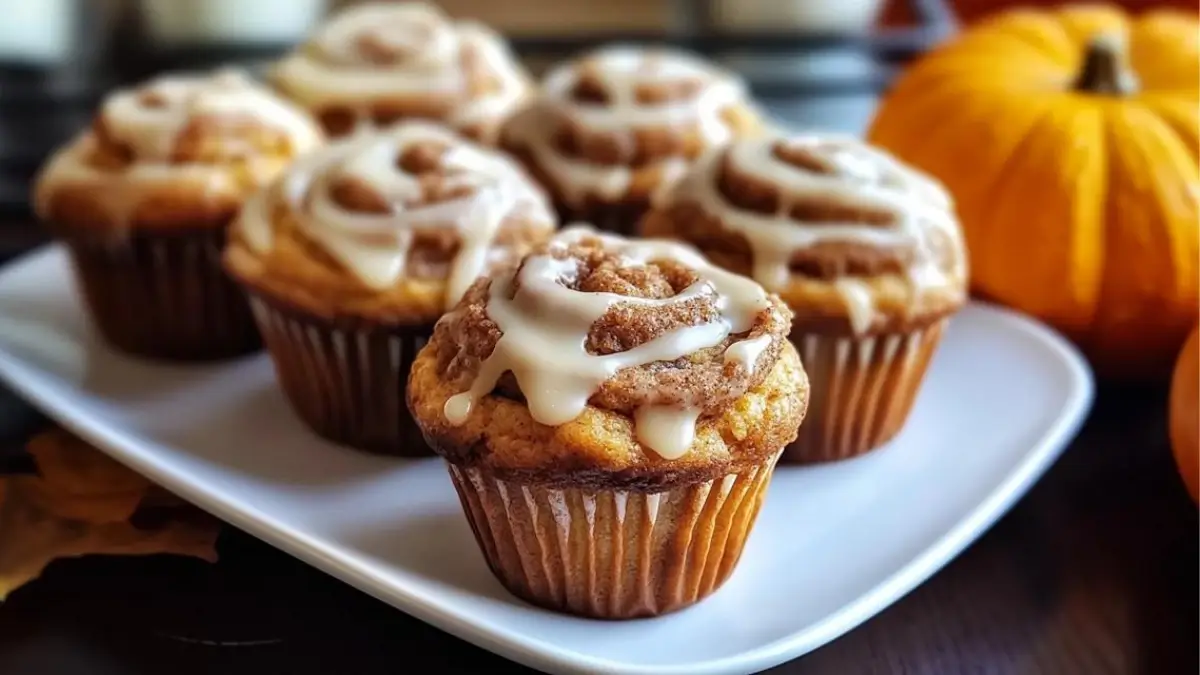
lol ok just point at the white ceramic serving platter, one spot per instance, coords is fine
(834, 545)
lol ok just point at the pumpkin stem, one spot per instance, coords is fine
(1105, 70)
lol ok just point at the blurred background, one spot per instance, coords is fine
(813, 63)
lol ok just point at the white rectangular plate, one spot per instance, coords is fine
(833, 546)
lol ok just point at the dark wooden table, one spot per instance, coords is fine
(1094, 572)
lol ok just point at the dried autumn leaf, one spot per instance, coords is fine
(79, 482)
(81, 503)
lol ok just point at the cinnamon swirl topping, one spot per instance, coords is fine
(376, 63)
(201, 118)
(414, 195)
(218, 134)
(828, 209)
(620, 109)
(646, 328)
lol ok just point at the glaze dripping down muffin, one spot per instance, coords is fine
(611, 127)
(601, 376)
(366, 243)
(143, 197)
(375, 64)
(865, 251)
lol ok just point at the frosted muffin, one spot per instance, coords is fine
(611, 412)
(352, 256)
(866, 251)
(142, 200)
(374, 64)
(610, 128)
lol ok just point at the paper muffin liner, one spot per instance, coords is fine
(347, 385)
(612, 554)
(862, 390)
(164, 295)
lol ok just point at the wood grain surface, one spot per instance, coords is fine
(1093, 573)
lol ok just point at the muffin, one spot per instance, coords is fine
(611, 412)
(613, 126)
(142, 200)
(374, 64)
(866, 251)
(355, 252)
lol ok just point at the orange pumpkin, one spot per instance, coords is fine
(1185, 414)
(1069, 140)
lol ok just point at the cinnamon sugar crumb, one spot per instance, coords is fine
(422, 157)
(468, 337)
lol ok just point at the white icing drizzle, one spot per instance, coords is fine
(375, 246)
(668, 430)
(746, 352)
(545, 325)
(856, 175)
(426, 50)
(860, 305)
(622, 70)
(150, 119)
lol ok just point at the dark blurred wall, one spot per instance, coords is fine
(973, 10)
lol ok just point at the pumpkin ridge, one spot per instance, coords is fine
(1027, 28)
(1187, 132)
(1133, 294)
(1166, 69)
(1156, 139)
(1156, 134)
(1064, 294)
(1110, 276)
(1086, 249)
(895, 128)
(1082, 22)
(980, 234)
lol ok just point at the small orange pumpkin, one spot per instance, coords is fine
(1185, 414)
(1069, 140)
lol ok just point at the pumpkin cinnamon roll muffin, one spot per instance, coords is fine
(374, 64)
(866, 251)
(611, 412)
(142, 200)
(611, 127)
(352, 256)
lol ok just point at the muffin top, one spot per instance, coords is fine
(177, 151)
(616, 123)
(391, 227)
(849, 237)
(375, 63)
(609, 360)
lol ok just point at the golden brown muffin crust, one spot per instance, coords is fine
(598, 450)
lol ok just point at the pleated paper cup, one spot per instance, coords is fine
(163, 295)
(346, 383)
(863, 389)
(612, 554)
